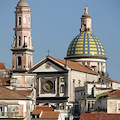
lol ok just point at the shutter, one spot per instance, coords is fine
(20, 110)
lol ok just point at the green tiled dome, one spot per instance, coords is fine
(86, 44)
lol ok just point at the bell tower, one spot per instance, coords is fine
(22, 48)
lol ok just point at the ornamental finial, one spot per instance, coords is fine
(86, 10)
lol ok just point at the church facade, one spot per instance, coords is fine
(68, 85)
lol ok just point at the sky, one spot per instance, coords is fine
(55, 23)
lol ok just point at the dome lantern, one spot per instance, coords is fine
(86, 21)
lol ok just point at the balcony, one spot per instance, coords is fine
(10, 115)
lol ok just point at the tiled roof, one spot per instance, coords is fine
(45, 112)
(41, 108)
(6, 93)
(24, 92)
(2, 66)
(75, 66)
(99, 116)
(50, 115)
(108, 79)
(114, 94)
(44, 108)
(36, 112)
(5, 81)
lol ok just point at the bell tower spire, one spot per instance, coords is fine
(86, 21)
(22, 48)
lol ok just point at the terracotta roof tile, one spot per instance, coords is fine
(50, 115)
(111, 80)
(6, 93)
(44, 108)
(24, 92)
(114, 93)
(41, 108)
(75, 66)
(2, 66)
(99, 116)
(36, 112)
(5, 81)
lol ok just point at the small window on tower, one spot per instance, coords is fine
(19, 41)
(19, 62)
(19, 20)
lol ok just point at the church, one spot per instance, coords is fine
(70, 85)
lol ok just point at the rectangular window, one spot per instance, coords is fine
(19, 20)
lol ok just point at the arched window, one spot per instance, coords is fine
(62, 88)
(19, 41)
(19, 62)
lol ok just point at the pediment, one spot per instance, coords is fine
(48, 66)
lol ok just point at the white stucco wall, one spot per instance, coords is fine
(77, 79)
(115, 85)
(112, 106)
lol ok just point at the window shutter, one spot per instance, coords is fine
(20, 110)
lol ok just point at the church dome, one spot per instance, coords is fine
(85, 44)
(22, 3)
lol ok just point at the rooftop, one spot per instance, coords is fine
(76, 66)
(4, 81)
(8, 94)
(99, 116)
(39, 109)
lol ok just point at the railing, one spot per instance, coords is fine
(9, 115)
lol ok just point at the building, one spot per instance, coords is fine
(69, 86)
(14, 105)
(109, 101)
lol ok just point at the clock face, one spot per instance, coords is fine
(48, 86)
